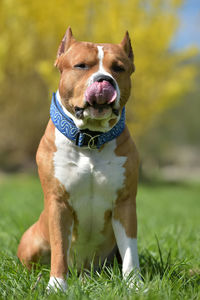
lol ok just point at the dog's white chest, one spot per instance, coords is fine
(92, 179)
(88, 175)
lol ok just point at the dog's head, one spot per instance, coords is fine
(95, 80)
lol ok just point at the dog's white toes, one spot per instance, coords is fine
(56, 284)
(135, 283)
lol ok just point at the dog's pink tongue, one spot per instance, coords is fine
(100, 93)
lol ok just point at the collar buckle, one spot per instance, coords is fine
(86, 140)
(92, 144)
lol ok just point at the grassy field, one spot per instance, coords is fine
(168, 240)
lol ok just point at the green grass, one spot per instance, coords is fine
(168, 240)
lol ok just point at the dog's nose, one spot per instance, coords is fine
(101, 91)
(102, 77)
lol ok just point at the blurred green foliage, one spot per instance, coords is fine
(30, 35)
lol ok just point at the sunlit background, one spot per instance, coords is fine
(163, 110)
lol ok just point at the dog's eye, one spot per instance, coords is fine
(81, 66)
(118, 68)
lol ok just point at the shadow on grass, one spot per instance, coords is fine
(153, 265)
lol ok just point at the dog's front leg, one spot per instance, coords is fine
(60, 231)
(124, 224)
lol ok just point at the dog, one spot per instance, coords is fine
(88, 165)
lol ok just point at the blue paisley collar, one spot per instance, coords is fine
(82, 138)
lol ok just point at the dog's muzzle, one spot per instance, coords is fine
(102, 91)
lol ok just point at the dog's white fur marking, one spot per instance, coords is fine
(56, 284)
(92, 179)
(128, 250)
(100, 57)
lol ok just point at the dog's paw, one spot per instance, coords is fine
(134, 282)
(56, 284)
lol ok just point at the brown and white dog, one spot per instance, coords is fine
(89, 194)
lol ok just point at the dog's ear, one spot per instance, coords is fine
(126, 45)
(66, 42)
